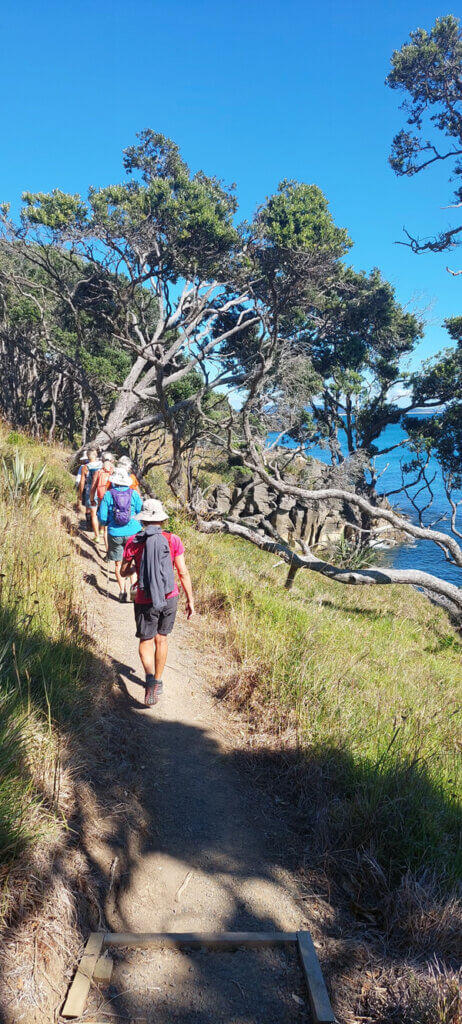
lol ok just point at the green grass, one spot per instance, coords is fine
(59, 482)
(44, 659)
(366, 684)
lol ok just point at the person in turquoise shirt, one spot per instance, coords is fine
(117, 511)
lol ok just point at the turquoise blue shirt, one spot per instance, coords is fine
(106, 515)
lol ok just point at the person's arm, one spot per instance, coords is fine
(103, 510)
(127, 567)
(81, 485)
(185, 580)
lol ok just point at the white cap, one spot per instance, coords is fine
(120, 477)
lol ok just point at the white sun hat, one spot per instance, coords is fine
(125, 461)
(152, 512)
(120, 477)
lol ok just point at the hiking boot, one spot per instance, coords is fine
(152, 692)
(123, 598)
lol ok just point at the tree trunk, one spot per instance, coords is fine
(358, 577)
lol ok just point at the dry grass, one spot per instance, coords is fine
(47, 890)
(354, 696)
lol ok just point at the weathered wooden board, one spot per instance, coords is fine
(319, 999)
(103, 970)
(225, 940)
(78, 992)
(97, 967)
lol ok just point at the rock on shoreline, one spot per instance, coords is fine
(316, 523)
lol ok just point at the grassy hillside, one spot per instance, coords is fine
(365, 685)
(43, 658)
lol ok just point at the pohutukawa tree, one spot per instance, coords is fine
(428, 70)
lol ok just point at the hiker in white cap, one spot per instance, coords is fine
(128, 465)
(153, 554)
(117, 511)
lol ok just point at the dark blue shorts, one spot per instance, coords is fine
(149, 622)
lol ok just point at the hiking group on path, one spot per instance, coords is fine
(145, 558)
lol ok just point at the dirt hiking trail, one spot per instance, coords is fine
(207, 854)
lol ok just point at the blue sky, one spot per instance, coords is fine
(252, 92)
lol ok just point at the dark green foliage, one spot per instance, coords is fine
(297, 219)
(440, 382)
(428, 70)
(352, 342)
(57, 352)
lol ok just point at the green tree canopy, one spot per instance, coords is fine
(428, 69)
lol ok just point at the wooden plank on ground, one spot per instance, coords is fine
(103, 970)
(224, 940)
(78, 992)
(317, 991)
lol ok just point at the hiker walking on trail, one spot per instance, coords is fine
(82, 462)
(117, 511)
(86, 479)
(127, 464)
(101, 484)
(154, 553)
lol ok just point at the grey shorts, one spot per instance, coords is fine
(115, 547)
(149, 623)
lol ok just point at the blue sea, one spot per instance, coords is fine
(421, 554)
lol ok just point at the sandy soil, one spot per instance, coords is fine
(209, 849)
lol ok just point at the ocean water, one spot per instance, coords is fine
(422, 555)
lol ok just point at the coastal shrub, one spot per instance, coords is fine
(22, 481)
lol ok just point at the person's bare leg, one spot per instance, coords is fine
(161, 643)
(94, 523)
(153, 664)
(146, 651)
(118, 577)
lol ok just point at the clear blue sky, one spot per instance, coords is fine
(252, 92)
